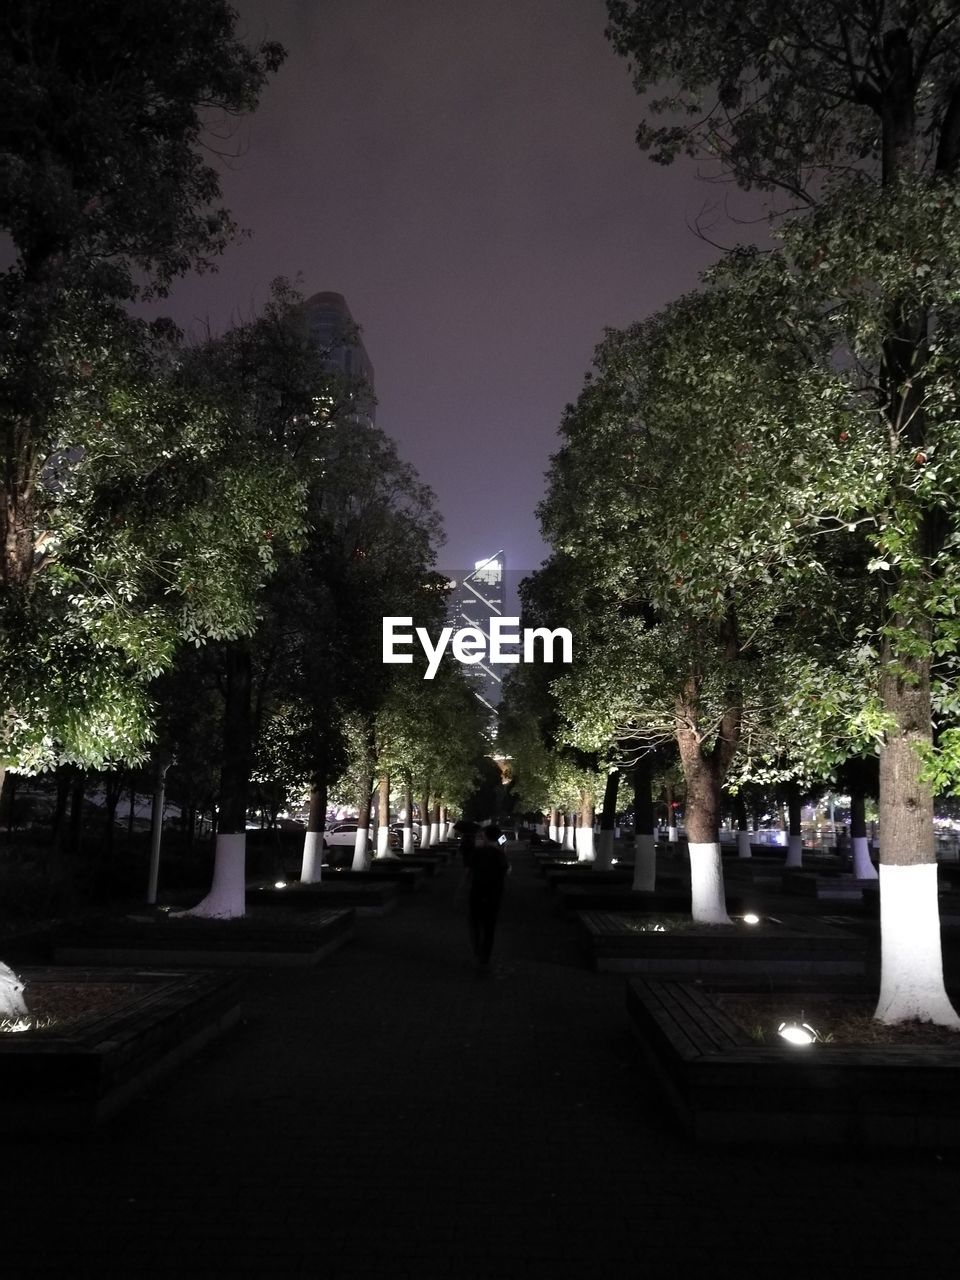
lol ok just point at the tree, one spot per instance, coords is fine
(703, 563)
(792, 97)
(104, 185)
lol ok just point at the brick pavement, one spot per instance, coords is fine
(389, 1114)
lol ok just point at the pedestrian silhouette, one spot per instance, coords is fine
(487, 866)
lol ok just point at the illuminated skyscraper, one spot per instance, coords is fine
(335, 330)
(477, 596)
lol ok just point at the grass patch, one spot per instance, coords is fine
(842, 1021)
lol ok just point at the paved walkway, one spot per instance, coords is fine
(390, 1115)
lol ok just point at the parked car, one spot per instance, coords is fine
(341, 840)
(396, 835)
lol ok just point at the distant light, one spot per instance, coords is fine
(614, 861)
(798, 1032)
(751, 918)
(280, 884)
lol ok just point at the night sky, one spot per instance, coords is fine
(466, 176)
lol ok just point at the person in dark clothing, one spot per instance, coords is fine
(486, 870)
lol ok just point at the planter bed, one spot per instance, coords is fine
(66, 1081)
(626, 942)
(556, 861)
(430, 863)
(727, 1087)
(388, 871)
(830, 887)
(673, 898)
(366, 897)
(557, 877)
(257, 939)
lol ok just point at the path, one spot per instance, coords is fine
(388, 1114)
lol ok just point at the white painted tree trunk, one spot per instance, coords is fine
(227, 899)
(422, 829)
(553, 832)
(585, 849)
(604, 848)
(383, 842)
(707, 899)
(794, 852)
(312, 857)
(427, 842)
(863, 868)
(360, 850)
(672, 836)
(408, 839)
(12, 1003)
(644, 863)
(743, 845)
(568, 829)
(450, 833)
(911, 966)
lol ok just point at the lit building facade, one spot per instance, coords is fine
(476, 597)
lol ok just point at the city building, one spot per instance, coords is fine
(336, 333)
(476, 596)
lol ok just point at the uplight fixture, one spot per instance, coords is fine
(280, 884)
(751, 917)
(798, 1033)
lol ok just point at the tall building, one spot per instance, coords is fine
(335, 332)
(476, 597)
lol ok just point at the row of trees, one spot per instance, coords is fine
(754, 508)
(198, 538)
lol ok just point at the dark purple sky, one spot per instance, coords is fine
(466, 175)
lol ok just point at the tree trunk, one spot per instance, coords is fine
(704, 775)
(644, 839)
(911, 970)
(383, 816)
(5, 794)
(743, 832)
(671, 815)
(911, 965)
(608, 820)
(78, 789)
(407, 814)
(425, 817)
(361, 846)
(553, 830)
(568, 828)
(795, 828)
(863, 868)
(585, 851)
(113, 785)
(227, 896)
(310, 863)
(437, 836)
(131, 812)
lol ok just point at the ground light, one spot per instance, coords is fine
(280, 884)
(798, 1033)
(751, 918)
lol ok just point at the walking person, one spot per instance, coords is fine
(486, 869)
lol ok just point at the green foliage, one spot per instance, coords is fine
(104, 105)
(788, 94)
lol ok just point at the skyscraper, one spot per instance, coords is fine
(336, 333)
(477, 597)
